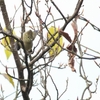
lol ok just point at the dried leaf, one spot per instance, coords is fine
(71, 47)
(71, 61)
(74, 26)
(66, 35)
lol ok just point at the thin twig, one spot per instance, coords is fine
(65, 89)
(55, 86)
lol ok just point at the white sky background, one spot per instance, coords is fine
(90, 38)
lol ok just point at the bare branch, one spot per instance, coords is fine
(55, 86)
(65, 89)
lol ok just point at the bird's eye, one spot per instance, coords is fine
(28, 37)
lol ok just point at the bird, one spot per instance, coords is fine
(27, 39)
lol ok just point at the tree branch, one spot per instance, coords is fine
(15, 53)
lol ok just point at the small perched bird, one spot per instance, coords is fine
(28, 38)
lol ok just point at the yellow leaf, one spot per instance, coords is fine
(6, 43)
(56, 49)
(10, 79)
(7, 53)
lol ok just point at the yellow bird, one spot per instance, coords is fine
(56, 49)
